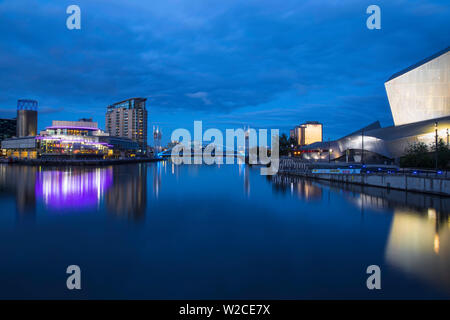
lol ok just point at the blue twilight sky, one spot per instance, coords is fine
(259, 63)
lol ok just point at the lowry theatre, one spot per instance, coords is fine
(419, 98)
(81, 139)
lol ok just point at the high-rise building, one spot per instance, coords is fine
(128, 118)
(26, 118)
(307, 133)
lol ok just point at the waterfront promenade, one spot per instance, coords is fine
(408, 180)
(77, 162)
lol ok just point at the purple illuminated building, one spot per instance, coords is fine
(71, 139)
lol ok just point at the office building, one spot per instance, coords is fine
(128, 118)
(307, 133)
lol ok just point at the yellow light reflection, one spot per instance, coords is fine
(419, 245)
(436, 243)
(431, 213)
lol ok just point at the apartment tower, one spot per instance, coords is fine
(128, 118)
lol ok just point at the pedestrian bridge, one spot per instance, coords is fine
(197, 151)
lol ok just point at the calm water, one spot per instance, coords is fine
(162, 231)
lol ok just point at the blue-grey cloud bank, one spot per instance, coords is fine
(265, 64)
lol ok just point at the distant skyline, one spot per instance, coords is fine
(264, 64)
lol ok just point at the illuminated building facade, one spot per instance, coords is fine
(422, 91)
(419, 97)
(70, 139)
(312, 132)
(379, 145)
(307, 133)
(23, 147)
(128, 118)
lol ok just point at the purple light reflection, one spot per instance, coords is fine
(74, 189)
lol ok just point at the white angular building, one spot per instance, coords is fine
(422, 91)
(419, 97)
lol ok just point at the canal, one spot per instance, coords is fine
(162, 231)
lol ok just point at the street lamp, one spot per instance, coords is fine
(436, 144)
(329, 150)
(447, 137)
(329, 155)
(362, 146)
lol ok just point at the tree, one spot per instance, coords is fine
(443, 154)
(284, 145)
(292, 141)
(419, 155)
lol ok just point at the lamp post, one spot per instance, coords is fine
(447, 137)
(436, 144)
(329, 151)
(362, 146)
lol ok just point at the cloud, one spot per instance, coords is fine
(217, 57)
(50, 110)
(200, 95)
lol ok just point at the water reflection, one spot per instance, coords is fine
(73, 188)
(20, 182)
(304, 189)
(363, 197)
(294, 229)
(244, 170)
(418, 244)
(122, 189)
(419, 238)
(128, 196)
(157, 171)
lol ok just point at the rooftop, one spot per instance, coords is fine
(82, 125)
(112, 106)
(418, 64)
